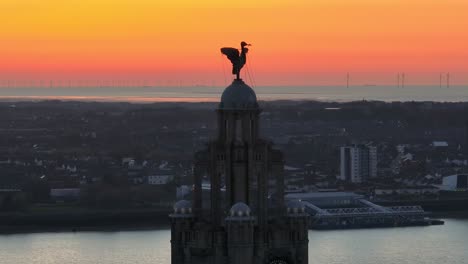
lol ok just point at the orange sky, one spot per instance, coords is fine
(176, 42)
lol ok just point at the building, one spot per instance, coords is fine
(327, 199)
(159, 179)
(65, 194)
(415, 190)
(439, 144)
(338, 210)
(358, 163)
(245, 219)
(457, 182)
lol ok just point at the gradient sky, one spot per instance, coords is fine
(176, 42)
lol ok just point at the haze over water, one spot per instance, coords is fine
(411, 245)
(212, 94)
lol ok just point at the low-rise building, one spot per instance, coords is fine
(327, 199)
(440, 144)
(65, 194)
(159, 179)
(423, 190)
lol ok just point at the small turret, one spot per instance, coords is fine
(240, 234)
(298, 221)
(182, 208)
(295, 208)
(181, 224)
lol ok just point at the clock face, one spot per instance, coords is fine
(278, 261)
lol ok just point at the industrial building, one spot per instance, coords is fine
(334, 210)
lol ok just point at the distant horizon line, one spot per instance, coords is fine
(219, 86)
(151, 100)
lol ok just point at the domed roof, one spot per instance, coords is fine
(295, 207)
(183, 207)
(238, 95)
(240, 209)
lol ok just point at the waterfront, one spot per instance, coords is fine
(429, 245)
(211, 94)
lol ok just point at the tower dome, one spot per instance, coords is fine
(238, 95)
(295, 207)
(239, 210)
(183, 207)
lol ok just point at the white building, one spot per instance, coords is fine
(455, 182)
(440, 144)
(358, 163)
(159, 179)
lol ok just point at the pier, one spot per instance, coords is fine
(338, 210)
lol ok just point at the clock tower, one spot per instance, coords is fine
(241, 218)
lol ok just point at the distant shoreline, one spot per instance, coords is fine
(126, 223)
(385, 93)
(13, 230)
(83, 220)
(209, 103)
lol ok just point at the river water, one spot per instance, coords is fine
(447, 244)
(212, 94)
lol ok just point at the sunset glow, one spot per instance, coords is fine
(300, 42)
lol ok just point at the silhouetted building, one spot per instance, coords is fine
(245, 219)
(358, 163)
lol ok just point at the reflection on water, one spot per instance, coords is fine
(429, 245)
(86, 248)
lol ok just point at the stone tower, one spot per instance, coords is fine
(237, 214)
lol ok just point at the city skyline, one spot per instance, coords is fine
(177, 42)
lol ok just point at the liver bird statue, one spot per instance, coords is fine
(237, 60)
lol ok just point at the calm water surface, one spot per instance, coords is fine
(209, 94)
(416, 245)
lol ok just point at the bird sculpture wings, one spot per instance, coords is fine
(237, 58)
(232, 54)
